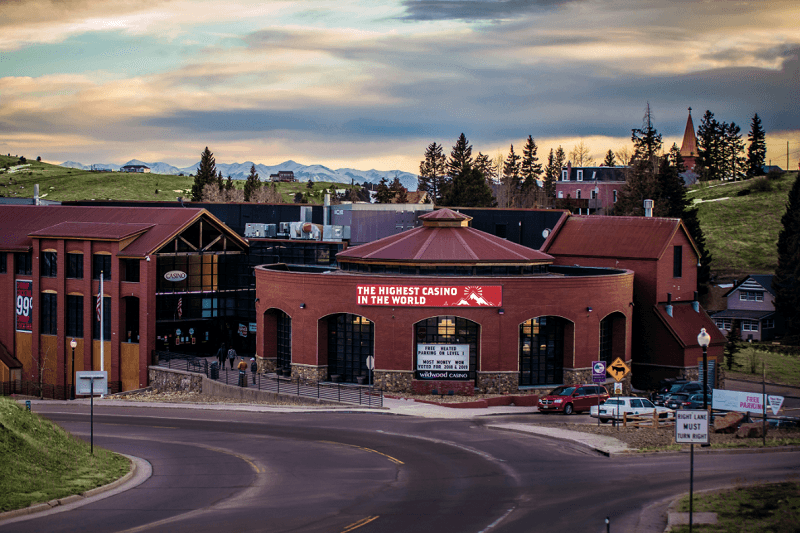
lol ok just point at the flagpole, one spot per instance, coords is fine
(101, 323)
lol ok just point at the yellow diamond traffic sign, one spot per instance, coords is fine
(618, 369)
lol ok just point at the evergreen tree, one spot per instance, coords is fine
(432, 177)
(512, 180)
(398, 192)
(220, 182)
(551, 173)
(252, 184)
(470, 190)
(731, 152)
(787, 274)
(561, 161)
(646, 141)
(531, 169)
(484, 165)
(731, 343)
(641, 182)
(757, 151)
(229, 186)
(460, 156)
(383, 195)
(609, 161)
(709, 150)
(206, 173)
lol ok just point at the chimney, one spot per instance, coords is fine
(669, 303)
(669, 297)
(648, 208)
(696, 302)
(326, 208)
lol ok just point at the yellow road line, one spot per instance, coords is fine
(362, 522)
(392, 459)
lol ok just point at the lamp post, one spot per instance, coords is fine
(704, 339)
(73, 343)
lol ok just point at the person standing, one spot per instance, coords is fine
(242, 373)
(222, 353)
(231, 356)
(253, 368)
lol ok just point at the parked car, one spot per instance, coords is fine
(614, 408)
(676, 401)
(573, 398)
(686, 387)
(695, 401)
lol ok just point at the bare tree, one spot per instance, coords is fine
(212, 193)
(40, 364)
(623, 156)
(580, 155)
(268, 194)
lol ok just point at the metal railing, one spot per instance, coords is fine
(336, 392)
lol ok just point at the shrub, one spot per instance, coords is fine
(774, 175)
(761, 185)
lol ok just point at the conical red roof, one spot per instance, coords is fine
(444, 238)
(689, 144)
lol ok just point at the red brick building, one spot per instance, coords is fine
(445, 307)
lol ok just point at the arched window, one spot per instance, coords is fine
(351, 339)
(457, 337)
(541, 351)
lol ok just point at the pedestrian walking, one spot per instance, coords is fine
(222, 353)
(242, 373)
(231, 356)
(253, 368)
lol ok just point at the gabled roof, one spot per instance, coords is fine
(150, 227)
(444, 238)
(755, 282)
(616, 237)
(685, 323)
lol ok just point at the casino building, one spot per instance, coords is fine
(443, 306)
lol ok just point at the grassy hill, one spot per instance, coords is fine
(42, 462)
(741, 221)
(64, 184)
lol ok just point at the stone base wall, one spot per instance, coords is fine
(584, 375)
(459, 388)
(398, 381)
(498, 382)
(167, 380)
(308, 373)
(266, 364)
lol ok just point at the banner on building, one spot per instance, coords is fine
(443, 361)
(744, 402)
(430, 295)
(24, 305)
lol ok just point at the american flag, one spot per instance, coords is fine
(180, 311)
(99, 303)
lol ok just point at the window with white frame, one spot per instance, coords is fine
(561, 194)
(615, 196)
(564, 175)
(723, 323)
(580, 175)
(594, 194)
(749, 325)
(751, 296)
(578, 194)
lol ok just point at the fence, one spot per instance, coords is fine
(337, 392)
(46, 390)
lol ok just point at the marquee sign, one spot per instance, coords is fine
(24, 305)
(430, 295)
(443, 361)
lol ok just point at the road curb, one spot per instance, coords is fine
(75, 498)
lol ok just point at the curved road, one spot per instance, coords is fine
(238, 471)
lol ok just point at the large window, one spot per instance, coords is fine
(49, 264)
(606, 339)
(74, 315)
(449, 329)
(101, 263)
(3, 259)
(677, 261)
(284, 347)
(749, 325)
(541, 359)
(751, 296)
(106, 320)
(723, 323)
(75, 266)
(130, 270)
(23, 263)
(350, 342)
(49, 314)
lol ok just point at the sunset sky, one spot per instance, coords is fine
(369, 84)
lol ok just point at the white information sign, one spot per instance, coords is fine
(691, 426)
(744, 402)
(443, 361)
(83, 382)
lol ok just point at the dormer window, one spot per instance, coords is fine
(564, 175)
(580, 175)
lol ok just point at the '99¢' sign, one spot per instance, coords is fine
(24, 305)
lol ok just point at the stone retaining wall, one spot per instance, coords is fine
(168, 380)
(393, 380)
(498, 382)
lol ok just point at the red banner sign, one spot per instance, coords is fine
(430, 295)
(24, 305)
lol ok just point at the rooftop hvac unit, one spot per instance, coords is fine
(272, 231)
(332, 233)
(304, 230)
(255, 230)
(283, 229)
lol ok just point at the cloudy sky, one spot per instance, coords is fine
(369, 84)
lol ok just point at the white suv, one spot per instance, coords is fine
(614, 408)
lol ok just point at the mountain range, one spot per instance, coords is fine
(240, 171)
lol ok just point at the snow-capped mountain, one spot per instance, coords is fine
(240, 171)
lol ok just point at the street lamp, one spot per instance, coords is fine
(73, 343)
(704, 339)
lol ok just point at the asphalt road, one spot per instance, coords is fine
(242, 471)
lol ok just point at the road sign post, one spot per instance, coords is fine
(86, 385)
(691, 426)
(598, 376)
(370, 367)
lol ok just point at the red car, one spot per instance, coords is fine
(573, 398)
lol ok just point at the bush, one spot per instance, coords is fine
(761, 185)
(774, 175)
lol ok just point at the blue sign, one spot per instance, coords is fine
(598, 371)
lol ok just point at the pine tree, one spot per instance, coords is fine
(709, 141)
(398, 192)
(206, 173)
(470, 190)
(383, 195)
(229, 186)
(787, 274)
(512, 181)
(609, 161)
(561, 161)
(252, 184)
(646, 141)
(531, 169)
(551, 173)
(432, 177)
(484, 165)
(731, 343)
(757, 151)
(220, 182)
(732, 149)
(460, 156)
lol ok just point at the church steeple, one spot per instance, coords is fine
(689, 144)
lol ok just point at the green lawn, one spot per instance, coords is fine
(760, 509)
(781, 368)
(741, 232)
(42, 462)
